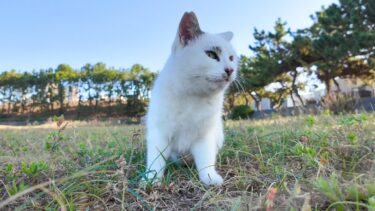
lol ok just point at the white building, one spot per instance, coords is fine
(353, 86)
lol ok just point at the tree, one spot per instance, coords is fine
(8, 79)
(23, 85)
(49, 89)
(273, 63)
(111, 78)
(87, 83)
(122, 88)
(65, 76)
(343, 41)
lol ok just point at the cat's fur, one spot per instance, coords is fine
(184, 114)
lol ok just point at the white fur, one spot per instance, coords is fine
(184, 114)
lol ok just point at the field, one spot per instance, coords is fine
(282, 163)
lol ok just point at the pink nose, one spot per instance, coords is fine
(229, 71)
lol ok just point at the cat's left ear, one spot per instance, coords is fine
(189, 28)
(227, 35)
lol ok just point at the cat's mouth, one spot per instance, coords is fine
(219, 80)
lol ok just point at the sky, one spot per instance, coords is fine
(39, 34)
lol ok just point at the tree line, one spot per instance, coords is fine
(93, 86)
(339, 44)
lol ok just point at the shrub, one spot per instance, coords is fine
(135, 107)
(241, 112)
(340, 102)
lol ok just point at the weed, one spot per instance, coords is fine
(15, 188)
(34, 168)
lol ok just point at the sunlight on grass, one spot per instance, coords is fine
(309, 162)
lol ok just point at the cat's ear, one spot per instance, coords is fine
(227, 35)
(189, 28)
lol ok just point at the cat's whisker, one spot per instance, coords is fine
(242, 80)
(239, 78)
(239, 85)
(236, 84)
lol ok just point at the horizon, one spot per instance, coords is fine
(42, 34)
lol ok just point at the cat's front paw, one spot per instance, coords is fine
(211, 178)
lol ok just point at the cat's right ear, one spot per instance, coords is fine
(188, 29)
(227, 35)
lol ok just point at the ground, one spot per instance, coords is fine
(281, 163)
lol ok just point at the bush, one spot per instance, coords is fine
(241, 112)
(340, 102)
(135, 107)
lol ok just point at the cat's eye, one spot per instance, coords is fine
(231, 58)
(212, 55)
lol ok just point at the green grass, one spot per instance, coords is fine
(306, 162)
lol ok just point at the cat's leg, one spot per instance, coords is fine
(219, 132)
(204, 153)
(158, 151)
(175, 158)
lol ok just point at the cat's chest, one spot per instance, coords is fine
(194, 110)
(192, 118)
(177, 113)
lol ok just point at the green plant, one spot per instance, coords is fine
(352, 138)
(353, 119)
(306, 152)
(55, 138)
(331, 188)
(33, 168)
(241, 112)
(9, 171)
(341, 193)
(15, 188)
(371, 203)
(310, 121)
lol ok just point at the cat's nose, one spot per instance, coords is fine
(229, 71)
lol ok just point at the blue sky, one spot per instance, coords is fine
(37, 34)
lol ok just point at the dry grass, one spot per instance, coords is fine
(299, 163)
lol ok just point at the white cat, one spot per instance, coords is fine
(184, 114)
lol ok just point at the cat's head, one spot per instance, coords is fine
(208, 61)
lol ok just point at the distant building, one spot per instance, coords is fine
(265, 104)
(353, 86)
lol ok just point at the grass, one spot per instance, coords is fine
(293, 163)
